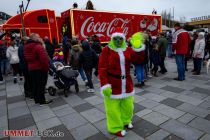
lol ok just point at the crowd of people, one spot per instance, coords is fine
(83, 55)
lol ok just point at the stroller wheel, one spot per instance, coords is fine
(52, 91)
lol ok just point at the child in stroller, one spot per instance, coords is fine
(64, 77)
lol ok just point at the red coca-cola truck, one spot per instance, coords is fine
(84, 23)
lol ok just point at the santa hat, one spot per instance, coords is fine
(118, 32)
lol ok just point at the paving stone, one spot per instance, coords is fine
(201, 90)
(19, 111)
(3, 121)
(73, 120)
(36, 107)
(100, 107)
(154, 97)
(135, 119)
(74, 100)
(169, 111)
(64, 111)
(16, 105)
(181, 130)
(84, 131)
(48, 123)
(98, 136)
(201, 124)
(156, 90)
(60, 128)
(102, 126)
(172, 89)
(15, 99)
(200, 78)
(85, 94)
(159, 135)
(207, 117)
(196, 95)
(144, 128)
(189, 99)
(171, 102)
(168, 79)
(138, 98)
(57, 102)
(143, 112)
(205, 104)
(172, 137)
(94, 100)
(21, 122)
(25, 138)
(186, 118)
(93, 115)
(83, 107)
(2, 97)
(141, 91)
(43, 114)
(138, 107)
(130, 135)
(169, 94)
(149, 103)
(155, 118)
(205, 137)
(60, 107)
(193, 110)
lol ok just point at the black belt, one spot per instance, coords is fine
(117, 76)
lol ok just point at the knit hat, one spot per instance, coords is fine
(118, 32)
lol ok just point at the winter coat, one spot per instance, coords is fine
(162, 46)
(88, 58)
(49, 48)
(23, 64)
(36, 56)
(155, 57)
(3, 51)
(114, 70)
(199, 47)
(12, 54)
(96, 46)
(181, 42)
(75, 53)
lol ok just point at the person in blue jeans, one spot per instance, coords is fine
(139, 69)
(181, 41)
(180, 62)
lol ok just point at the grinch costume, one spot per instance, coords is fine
(115, 79)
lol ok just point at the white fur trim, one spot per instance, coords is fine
(118, 34)
(105, 86)
(143, 47)
(123, 95)
(118, 49)
(123, 132)
(122, 67)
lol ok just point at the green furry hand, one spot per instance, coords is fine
(107, 92)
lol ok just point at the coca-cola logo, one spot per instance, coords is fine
(103, 28)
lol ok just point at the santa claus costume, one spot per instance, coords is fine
(115, 79)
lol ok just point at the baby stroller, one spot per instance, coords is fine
(64, 78)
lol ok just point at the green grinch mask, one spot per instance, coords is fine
(137, 40)
(117, 42)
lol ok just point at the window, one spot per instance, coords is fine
(42, 19)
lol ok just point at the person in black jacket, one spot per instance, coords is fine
(49, 47)
(24, 69)
(88, 60)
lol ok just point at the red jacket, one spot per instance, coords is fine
(36, 56)
(116, 63)
(181, 41)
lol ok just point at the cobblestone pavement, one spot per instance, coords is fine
(164, 110)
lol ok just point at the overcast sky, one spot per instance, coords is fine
(187, 8)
